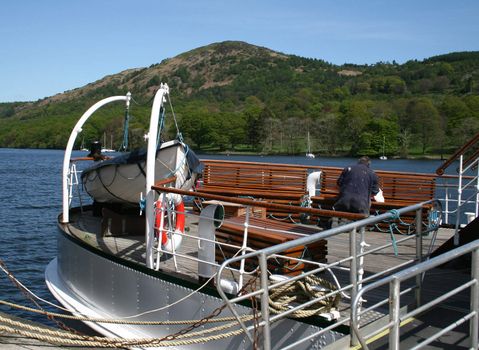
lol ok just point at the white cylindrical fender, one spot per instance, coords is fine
(313, 182)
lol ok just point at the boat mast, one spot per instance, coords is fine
(309, 145)
(150, 172)
(384, 142)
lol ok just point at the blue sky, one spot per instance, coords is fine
(50, 46)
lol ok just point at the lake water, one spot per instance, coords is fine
(30, 197)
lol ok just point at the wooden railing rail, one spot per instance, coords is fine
(457, 154)
(258, 203)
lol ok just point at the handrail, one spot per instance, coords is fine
(409, 273)
(259, 203)
(455, 156)
(325, 234)
(263, 254)
(471, 159)
(166, 181)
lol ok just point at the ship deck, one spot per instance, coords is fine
(132, 248)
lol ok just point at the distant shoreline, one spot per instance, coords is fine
(411, 157)
(253, 154)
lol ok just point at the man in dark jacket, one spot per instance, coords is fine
(357, 183)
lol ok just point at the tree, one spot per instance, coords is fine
(381, 132)
(426, 122)
(454, 110)
(355, 116)
(254, 124)
(404, 140)
(197, 126)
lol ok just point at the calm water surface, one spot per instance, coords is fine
(30, 200)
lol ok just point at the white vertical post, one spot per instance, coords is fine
(446, 199)
(419, 277)
(71, 141)
(244, 246)
(476, 209)
(360, 266)
(150, 172)
(474, 322)
(353, 278)
(264, 301)
(459, 204)
(394, 295)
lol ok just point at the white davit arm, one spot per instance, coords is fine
(150, 172)
(71, 141)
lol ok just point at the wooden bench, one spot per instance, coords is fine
(260, 235)
(287, 184)
(277, 183)
(399, 190)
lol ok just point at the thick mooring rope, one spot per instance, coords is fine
(302, 291)
(61, 338)
(281, 300)
(112, 320)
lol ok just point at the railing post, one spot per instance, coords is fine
(476, 208)
(446, 201)
(353, 273)
(474, 323)
(243, 247)
(394, 289)
(265, 302)
(418, 289)
(459, 204)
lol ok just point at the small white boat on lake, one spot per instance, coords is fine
(308, 153)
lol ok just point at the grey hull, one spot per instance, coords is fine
(84, 279)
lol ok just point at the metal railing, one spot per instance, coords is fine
(355, 260)
(463, 185)
(395, 317)
(464, 208)
(468, 157)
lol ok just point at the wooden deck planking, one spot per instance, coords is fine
(133, 248)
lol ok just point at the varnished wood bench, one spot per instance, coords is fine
(399, 190)
(277, 183)
(260, 235)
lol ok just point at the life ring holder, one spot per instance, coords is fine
(169, 212)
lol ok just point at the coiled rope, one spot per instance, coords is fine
(302, 291)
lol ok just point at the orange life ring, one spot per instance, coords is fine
(170, 241)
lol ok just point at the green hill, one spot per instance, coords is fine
(233, 96)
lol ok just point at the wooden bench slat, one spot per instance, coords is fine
(277, 183)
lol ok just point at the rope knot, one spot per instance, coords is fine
(394, 214)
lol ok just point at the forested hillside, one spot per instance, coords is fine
(237, 97)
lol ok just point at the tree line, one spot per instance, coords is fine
(236, 97)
